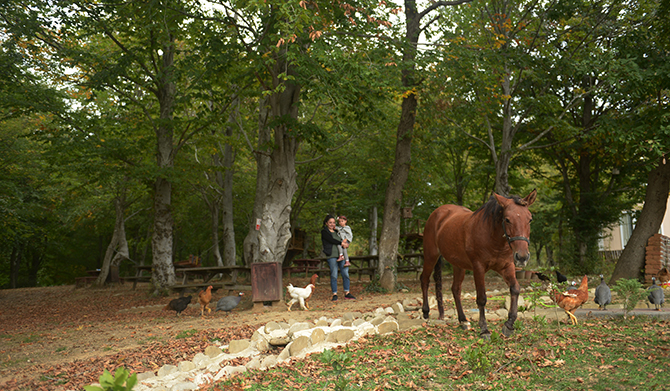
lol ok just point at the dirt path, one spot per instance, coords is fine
(62, 338)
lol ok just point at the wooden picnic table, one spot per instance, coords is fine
(361, 264)
(207, 273)
(140, 275)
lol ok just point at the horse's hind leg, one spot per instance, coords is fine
(459, 275)
(425, 283)
(437, 276)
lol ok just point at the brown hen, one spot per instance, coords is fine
(204, 297)
(572, 299)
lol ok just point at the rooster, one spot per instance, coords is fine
(301, 295)
(178, 305)
(204, 297)
(572, 299)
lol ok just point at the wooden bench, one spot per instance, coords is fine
(196, 287)
(359, 265)
(139, 275)
(81, 282)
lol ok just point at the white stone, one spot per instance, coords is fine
(358, 322)
(200, 360)
(317, 336)
(185, 366)
(184, 386)
(299, 344)
(213, 367)
(166, 370)
(145, 376)
(388, 327)
(272, 326)
(298, 326)
(212, 351)
(336, 322)
(269, 362)
(254, 363)
(377, 321)
(285, 354)
(237, 346)
(229, 370)
(398, 308)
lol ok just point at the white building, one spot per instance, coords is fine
(615, 238)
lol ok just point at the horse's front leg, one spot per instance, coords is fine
(509, 275)
(459, 275)
(481, 303)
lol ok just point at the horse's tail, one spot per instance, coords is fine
(437, 276)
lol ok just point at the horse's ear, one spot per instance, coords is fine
(530, 198)
(502, 201)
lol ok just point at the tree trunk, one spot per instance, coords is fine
(14, 262)
(655, 201)
(229, 251)
(161, 243)
(503, 159)
(275, 231)
(390, 235)
(262, 155)
(373, 230)
(118, 246)
(214, 217)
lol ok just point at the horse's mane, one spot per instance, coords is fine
(492, 209)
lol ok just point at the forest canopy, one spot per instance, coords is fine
(145, 132)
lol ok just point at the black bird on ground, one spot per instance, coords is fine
(560, 277)
(656, 295)
(542, 277)
(228, 303)
(178, 305)
(603, 294)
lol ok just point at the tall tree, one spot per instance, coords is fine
(388, 241)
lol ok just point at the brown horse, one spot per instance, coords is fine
(495, 237)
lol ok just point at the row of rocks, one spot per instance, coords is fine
(296, 340)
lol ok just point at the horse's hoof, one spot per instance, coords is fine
(465, 326)
(486, 335)
(507, 332)
(426, 314)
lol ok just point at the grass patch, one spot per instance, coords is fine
(186, 334)
(595, 355)
(61, 349)
(30, 339)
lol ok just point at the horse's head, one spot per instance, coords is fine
(516, 220)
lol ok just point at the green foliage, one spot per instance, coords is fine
(534, 296)
(121, 381)
(186, 333)
(629, 291)
(480, 356)
(340, 362)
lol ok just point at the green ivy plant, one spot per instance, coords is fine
(121, 381)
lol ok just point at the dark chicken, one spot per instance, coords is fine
(178, 305)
